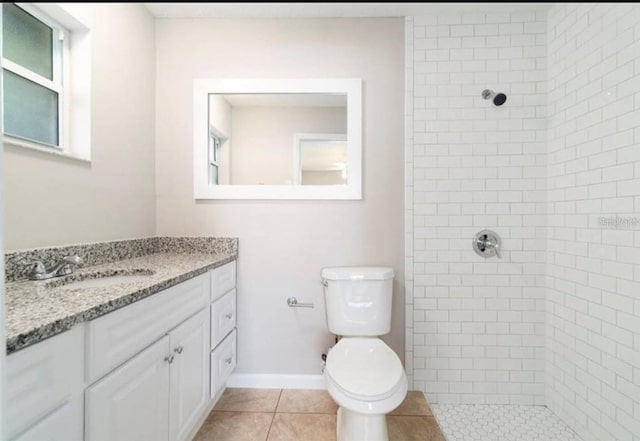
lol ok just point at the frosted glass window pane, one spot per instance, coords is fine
(30, 110)
(213, 174)
(27, 41)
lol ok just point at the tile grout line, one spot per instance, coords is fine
(278, 403)
(432, 414)
(305, 413)
(273, 416)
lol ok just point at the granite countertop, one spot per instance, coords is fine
(36, 310)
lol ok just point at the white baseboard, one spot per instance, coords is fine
(276, 381)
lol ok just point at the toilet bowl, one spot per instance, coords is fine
(364, 376)
(366, 379)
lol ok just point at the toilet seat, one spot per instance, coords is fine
(364, 369)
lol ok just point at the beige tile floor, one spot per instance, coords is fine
(304, 415)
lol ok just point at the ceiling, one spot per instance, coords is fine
(321, 10)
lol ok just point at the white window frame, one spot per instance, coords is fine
(213, 153)
(60, 81)
(75, 135)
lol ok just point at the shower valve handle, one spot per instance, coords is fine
(486, 243)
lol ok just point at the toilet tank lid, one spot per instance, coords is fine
(358, 273)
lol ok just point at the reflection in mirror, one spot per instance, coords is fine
(320, 159)
(278, 139)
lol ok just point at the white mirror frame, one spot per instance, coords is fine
(352, 87)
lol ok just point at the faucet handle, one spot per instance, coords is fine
(39, 267)
(66, 265)
(495, 246)
(73, 260)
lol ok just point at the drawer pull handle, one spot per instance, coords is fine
(179, 349)
(169, 358)
(229, 360)
(229, 316)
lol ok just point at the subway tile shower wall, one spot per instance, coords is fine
(593, 259)
(476, 326)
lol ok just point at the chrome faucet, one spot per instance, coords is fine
(62, 268)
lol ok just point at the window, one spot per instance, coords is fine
(214, 145)
(35, 50)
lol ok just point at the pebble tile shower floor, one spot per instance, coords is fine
(487, 422)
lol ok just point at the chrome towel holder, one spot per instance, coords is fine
(292, 302)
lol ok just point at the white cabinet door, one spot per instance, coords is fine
(189, 393)
(65, 423)
(131, 403)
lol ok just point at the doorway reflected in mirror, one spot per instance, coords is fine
(320, 159)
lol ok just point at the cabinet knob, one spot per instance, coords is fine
(169, 358)
(229, 315)
(179, 349)
(229, 360)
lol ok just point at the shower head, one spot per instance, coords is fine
(498, 98)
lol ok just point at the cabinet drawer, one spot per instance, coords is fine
(65, 423)
(223, 362)
(42, 377)
(223, 279)
(223, 317)
(117, 336)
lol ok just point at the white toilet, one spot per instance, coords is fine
(364, 376)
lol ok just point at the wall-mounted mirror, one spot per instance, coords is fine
(277, 139)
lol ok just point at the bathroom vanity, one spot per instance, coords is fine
(141, 359)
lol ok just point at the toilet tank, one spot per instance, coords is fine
(358, 300)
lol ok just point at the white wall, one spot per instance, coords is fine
(284, 244)
(593, 271)
(263, 140)
(53, 201)
(476, 327)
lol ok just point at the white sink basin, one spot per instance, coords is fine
(101, 280)
(105, 281)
